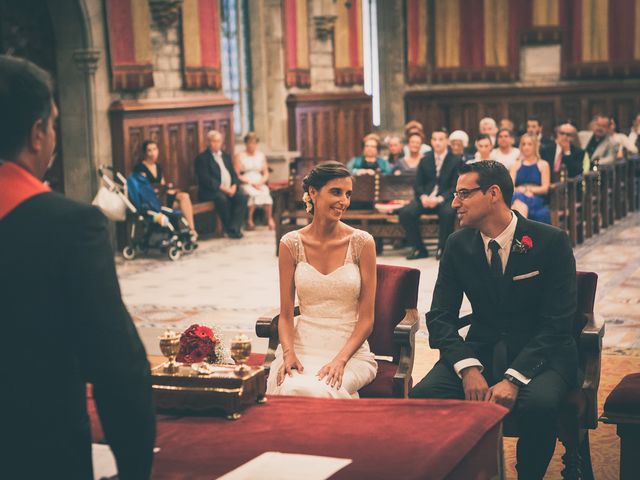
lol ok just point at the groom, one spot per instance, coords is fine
(520, 278)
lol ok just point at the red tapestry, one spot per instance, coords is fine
(296, 43)
(129, 27)
(201, 44)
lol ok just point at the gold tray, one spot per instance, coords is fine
(223, 390)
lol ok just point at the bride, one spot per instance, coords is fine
(332, 267)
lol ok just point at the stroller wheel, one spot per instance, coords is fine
(128, 252)
(190, 247)
(175, 253)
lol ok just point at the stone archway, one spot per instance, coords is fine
(75, 80)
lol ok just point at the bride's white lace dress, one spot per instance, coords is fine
(328, 315)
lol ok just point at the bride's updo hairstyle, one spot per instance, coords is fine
(317, 178)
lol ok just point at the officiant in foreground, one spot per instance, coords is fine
(520, 278)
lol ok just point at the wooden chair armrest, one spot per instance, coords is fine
(404, 337)
(591, 335)
(591, 360)
(267, 327)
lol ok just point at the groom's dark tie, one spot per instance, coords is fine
(500, 348)
(496, 263)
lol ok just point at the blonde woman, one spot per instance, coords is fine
(531, 177)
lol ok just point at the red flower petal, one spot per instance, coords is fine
(527, 242)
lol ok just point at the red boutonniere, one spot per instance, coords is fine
(523, 245)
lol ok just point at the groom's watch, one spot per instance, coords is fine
(514, 380)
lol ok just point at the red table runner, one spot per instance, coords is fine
(386, 438)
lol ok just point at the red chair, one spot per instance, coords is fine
(393, 336)
(579, 411)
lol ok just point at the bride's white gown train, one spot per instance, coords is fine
(328, 315)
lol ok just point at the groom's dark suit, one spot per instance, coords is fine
(522, 322)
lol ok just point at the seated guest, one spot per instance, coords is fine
(435, 182)
(520, 277)
(506, 123)
(369, 162)
(60, 300)
(506, 153)
(531, 178)
(150, 168)
(410, 127)
(484, 147)
(395, 146)
(625, 145)
(459, 141)
(535, 127)
(634, 133)
(218, 182)
(597, 142)
(487, 126)
(563, 153)
(408, 165)
(253, 172)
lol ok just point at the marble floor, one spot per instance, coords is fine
(228, 283)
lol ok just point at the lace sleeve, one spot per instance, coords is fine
(291, 240)
(360, 239)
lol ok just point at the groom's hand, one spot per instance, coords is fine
(474, 385)
(503, 393)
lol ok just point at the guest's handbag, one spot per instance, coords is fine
(111, 204)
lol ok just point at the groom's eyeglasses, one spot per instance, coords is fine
(465, 193)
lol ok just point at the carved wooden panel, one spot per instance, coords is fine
(329, 126)
(463, 108)
(178, 126)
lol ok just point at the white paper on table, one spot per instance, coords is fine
(104, 463)
(287, 466)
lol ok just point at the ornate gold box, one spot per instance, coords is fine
(224, 389)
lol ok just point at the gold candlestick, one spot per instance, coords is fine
(240, 351)
(170, 346)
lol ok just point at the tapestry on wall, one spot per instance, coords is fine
(296, 43)
(347, 51)
(201, 44)
(129, 27)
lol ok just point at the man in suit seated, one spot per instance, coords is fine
(435, 182)
(597, 142)
(218, 182)
(535, 127)
(62, 316)
(564, 153)
(520, 278)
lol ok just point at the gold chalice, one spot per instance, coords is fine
(170, 346)
(240, 351)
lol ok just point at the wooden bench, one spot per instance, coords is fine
(205, 223)
(633, 183)
(607, 199)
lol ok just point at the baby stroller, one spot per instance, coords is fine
(152, 225)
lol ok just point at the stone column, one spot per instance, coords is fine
(267, 75)
(86, 61)
(391, 38)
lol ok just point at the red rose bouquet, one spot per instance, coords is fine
(198, 344)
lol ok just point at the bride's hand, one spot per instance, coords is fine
(333, 371)
(290, 363)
